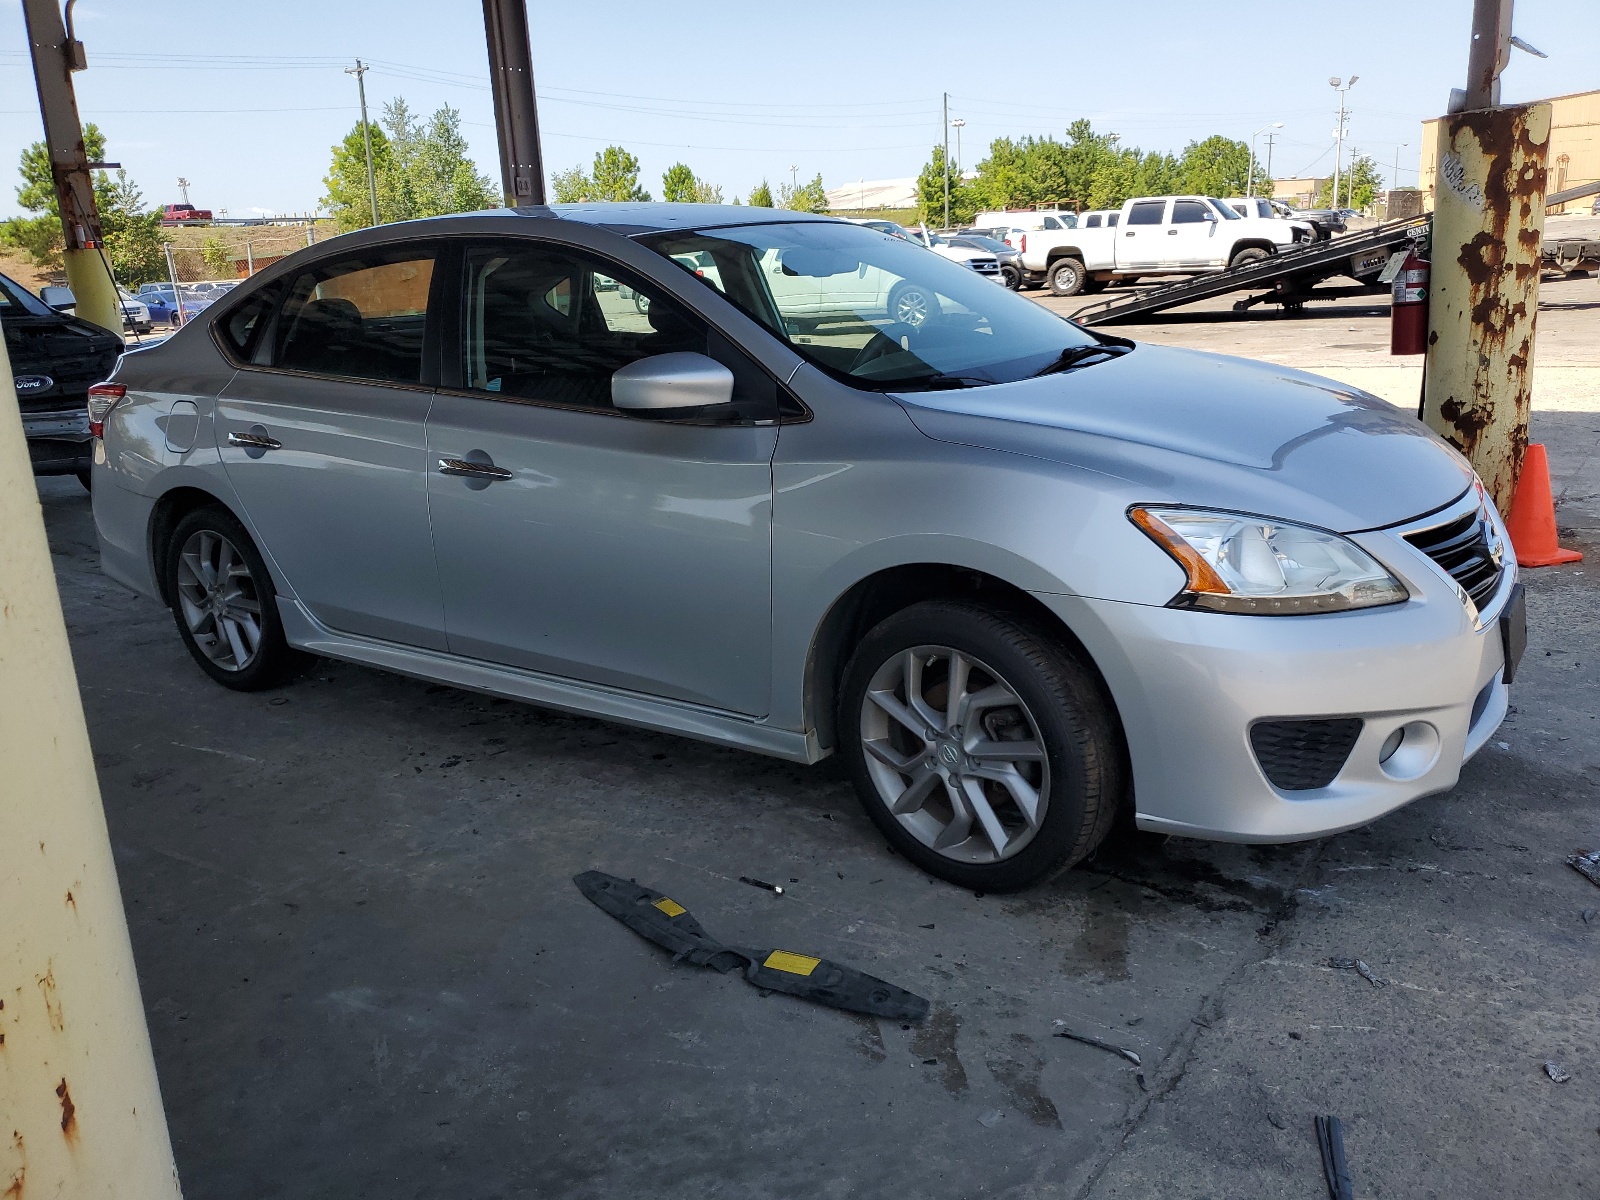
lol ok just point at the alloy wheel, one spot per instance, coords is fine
(911, 307)
(954, 754)
(218, 599)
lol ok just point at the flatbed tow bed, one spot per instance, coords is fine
(1289, 278)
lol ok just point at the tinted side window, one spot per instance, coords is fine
(243, 325)
(1113, 218)
(363, 316)
(1051, 223)
(1093, 222)
(1147, 212)
(543, 323)
(1187, 212)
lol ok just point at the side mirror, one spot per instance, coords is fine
(669, 381)
(58, 298)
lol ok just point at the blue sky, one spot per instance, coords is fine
(246, 99)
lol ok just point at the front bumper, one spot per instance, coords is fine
(1189, 685)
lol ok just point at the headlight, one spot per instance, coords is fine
(1244, 564)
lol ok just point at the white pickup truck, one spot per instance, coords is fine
(1152, 235)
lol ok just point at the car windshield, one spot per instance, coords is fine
(14, 296)
(1227, 213)
(872, 310)
(976, 242)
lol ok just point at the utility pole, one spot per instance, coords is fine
(360, 71)
(1338, 134)
(1250, 175)
(516, 111)
(1271, 137)
(57, 53)
(1488, 226)
(794, 179)
(947, 160)
(958, 125)
(1394, 179)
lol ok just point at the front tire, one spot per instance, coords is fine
(1067, 277)
(912, 304)
(1251, 254)
(224, 603)
(980, 747)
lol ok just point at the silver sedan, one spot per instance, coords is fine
(1027, 579)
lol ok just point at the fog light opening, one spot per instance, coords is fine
(1410, 751)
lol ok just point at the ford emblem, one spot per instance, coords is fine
(34, 383)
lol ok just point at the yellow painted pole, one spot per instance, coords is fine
(80, 1109)
(1488, 230)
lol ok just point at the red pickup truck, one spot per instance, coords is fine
(177, 214)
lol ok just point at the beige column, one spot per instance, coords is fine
(80, 1111)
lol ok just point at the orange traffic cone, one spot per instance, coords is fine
(1532, 523)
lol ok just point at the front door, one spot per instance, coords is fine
(633, 552)
(322, 438)
(1141, 242)
(1191, 234)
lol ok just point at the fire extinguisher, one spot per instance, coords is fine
(1408, 307)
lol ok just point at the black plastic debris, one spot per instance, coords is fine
(1556, 1074)
(662, 920)
(1089, 1040)
(1359, 967)
(1330, 1140)
(761, 883)
(1587, 865)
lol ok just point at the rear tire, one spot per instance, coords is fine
(1013, 277)
(961, 795)
(1066, 277)
(1093, 287)
(225, 604)
(1251, 254)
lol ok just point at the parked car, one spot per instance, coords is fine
(1054, 219)
(181, 214)
(1024, 577)
(1010, 260)
(1328, 222)
(54, 359)
(158, 300)
(984, 262)
(1272, 210)
(1154, 235)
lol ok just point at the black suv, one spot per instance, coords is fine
(54, 358)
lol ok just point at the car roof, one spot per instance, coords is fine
(660, 216)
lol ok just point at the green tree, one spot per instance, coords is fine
(761, 196)
(1218, 166)
(964, 201)
(347, 197)
(1358, 186)
(134, 241)
(421, 169)
(40, 236)
(615, 176)
(571, 186)
(679, 185)
(217, 257)
(709, 193)
(808, 197)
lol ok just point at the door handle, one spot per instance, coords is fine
(472, 470)
(1172, 233)
(1128, 234)
(254, 441)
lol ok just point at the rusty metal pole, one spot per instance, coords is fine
(1488, 226)
(80, 1109)
(516, 112)
(56, 54)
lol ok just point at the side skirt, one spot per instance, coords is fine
(586, 699)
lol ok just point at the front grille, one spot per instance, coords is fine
(1462, 547)
(986, 266)
(1297, 756)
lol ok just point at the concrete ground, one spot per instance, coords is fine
(367, 972)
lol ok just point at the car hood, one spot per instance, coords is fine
(1188, 427)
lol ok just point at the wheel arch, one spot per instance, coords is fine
(879, 595)
(1251, 243)
(171, 508)
(1058, 252)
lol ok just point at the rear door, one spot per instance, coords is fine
(322, 436)
(1140, 243)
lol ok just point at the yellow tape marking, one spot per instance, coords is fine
(795, 964)
(669, 906)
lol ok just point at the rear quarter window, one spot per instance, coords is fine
(241, 326)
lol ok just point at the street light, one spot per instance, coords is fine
(1338, 134)
(1394, 180)
(1250, 177)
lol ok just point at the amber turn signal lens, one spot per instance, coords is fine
(1202, 576)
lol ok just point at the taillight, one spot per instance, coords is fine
(103, 397)
(1023, 248)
